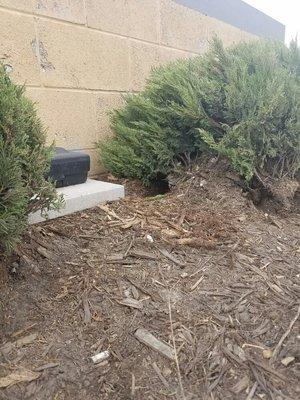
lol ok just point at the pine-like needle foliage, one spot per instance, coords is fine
(242, 102)
(24, 160)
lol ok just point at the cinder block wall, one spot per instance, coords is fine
(77, 57)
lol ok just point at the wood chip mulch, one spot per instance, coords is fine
(189, 295)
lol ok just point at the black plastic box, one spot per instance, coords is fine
(69, 167)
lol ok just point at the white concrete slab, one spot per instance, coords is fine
(81, 197)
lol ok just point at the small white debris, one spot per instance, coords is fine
(8, 68)
(97, 358)
(150, 238)
(203, 182)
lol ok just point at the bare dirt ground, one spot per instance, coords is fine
(200, 268)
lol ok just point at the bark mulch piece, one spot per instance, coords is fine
(199, 271)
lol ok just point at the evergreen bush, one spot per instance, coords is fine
(242, 102)
(24, 161)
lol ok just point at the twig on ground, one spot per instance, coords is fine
(285, 335)
(267, 368)
(252, 391)
(160, 375)
(170, 256)
(195, 285)
(175, 352)
(129, 247)
(132, 386)
(201, 268)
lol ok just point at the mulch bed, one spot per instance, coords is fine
(200, 268)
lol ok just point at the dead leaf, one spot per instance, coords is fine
(287, 360)
(267, 353)
(111, 213)
(17, 377)
(171, 233)
(129, 224)
(111, 177)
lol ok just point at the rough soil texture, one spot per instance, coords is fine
(219, 282)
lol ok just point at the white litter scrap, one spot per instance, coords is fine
(97, 358)
(150, 238)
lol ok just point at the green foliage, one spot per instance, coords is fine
(23, 163)
(242, 102)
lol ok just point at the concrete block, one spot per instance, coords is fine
(66, 10)
(144, 19)
(167, 55)
(20, 5)
(107, 16)
(85, 121)
(81, 197)
(228, 33)
(134, 18)
(72, 11)
(17, 38)
(143, 57)
(82, 58)
(69, 115)
(182, 27)
(105, 103)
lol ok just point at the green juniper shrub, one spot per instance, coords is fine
(24, 161)
(242, 102)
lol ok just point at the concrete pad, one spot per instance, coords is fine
(81, 197)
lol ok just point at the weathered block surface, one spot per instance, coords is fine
(21, 5)
(86, 121)
(134, 18)
(144, 57)
(167, 55)
(16, 51)
(74, 129)
(183, 28)
(66, 10)
(81, 58)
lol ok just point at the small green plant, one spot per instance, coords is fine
(241, 102)
(24, 161)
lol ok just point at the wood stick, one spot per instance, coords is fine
(285, 335)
